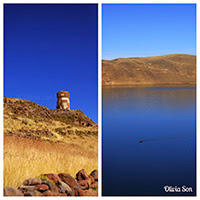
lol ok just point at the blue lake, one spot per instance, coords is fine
(165, 119)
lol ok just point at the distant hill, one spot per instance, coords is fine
(174, 69)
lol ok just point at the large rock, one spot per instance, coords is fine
(73, 192)
(79, 192)
(47, 193)
(83, 184)
(32, 193)
(54, 190)
(94, 174)
(26, 188)
(42, 187)
(64, 188)
(54, 177)
(94, 185)
(9, 191)
(90, 180)
(48, 183)
(82, 175)
(32, 181)
(61, 189)
(68, 179)
(91, 192)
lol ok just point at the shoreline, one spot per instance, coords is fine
(147, 86)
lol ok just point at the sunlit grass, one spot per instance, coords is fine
(25, 158)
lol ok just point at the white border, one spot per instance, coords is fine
(99, 82)
(99, 100)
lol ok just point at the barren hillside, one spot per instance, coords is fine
(177, 69)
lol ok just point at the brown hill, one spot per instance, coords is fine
(20, 113)
(174, 69)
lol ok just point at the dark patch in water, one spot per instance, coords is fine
(161, 139)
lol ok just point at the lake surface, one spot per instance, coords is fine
(165, 119)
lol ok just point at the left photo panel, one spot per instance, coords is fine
(50, 100)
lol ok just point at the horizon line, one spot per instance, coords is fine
(149, 56)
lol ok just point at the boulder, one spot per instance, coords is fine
(73, 192)
(9, 191)
(32, 193)
(54, 177)
(90, 180)
(94, 174)
(94, 185)
(83, 184)
(54, 190)
(79, 191)
(48, 183)
(91, 192)
(26, 188)
(47, 193)
(66, 188)
(42, 187)
(61, 189)
(68, 179)
(82, 175)
(32, 181)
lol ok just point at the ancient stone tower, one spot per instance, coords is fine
(63, 102)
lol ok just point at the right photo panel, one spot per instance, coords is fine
(149, 99)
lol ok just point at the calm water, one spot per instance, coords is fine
(164, 118)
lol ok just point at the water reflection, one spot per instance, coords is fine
(176, 97)
(164, 119)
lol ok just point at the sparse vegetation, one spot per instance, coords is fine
(45, 178)
(95, 189)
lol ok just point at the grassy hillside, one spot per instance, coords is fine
(38, 140)
(163, 70)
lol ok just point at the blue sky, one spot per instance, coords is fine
(135, 30)
(48, 48)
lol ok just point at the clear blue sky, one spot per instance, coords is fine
(49, 48)
(148, 30)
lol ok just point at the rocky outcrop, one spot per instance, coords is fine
(57, 185)
(29, 120)
(32, 110)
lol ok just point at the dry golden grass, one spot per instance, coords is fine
(24, 158)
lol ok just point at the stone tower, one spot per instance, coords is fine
(63, 102)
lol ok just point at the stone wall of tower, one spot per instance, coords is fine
(63, 100)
